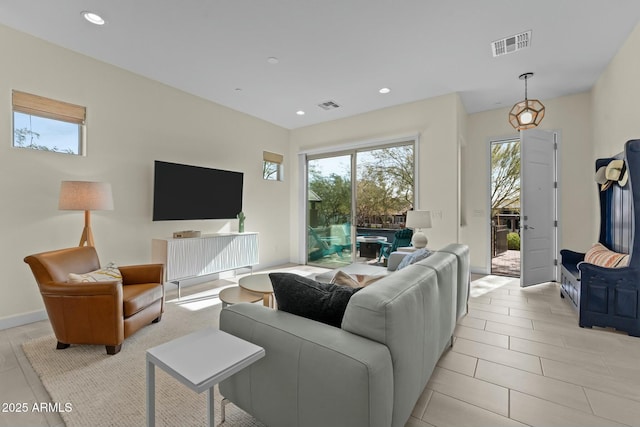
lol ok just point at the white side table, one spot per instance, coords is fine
(199, 360)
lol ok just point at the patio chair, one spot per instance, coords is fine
(320, 248)
(400, 239)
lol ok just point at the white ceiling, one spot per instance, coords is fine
(340, 50)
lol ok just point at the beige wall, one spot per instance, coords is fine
(131, 122)
(571, 116)
(434, 120)
(616, 113)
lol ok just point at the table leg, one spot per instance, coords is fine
(211, 408)
(223, 411)
(151, 394)
(265, 300)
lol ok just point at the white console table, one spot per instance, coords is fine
(187, 258)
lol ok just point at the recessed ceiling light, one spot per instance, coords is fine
(272, 60)
(300, 113)
(385, 90)
(92, 17)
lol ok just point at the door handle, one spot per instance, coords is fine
(528, 227)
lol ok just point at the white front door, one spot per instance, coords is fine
(538, 233)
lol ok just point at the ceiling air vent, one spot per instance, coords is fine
(511, 44)
(328, 105)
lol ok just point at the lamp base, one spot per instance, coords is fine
(419, 240)
(87, 235)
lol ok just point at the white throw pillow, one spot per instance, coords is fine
(108, 273)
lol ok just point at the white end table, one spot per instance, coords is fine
(200, 361)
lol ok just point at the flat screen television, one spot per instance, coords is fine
(183, 192)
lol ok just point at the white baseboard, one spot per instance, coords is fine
(22, 319)
(272, 264)
(479, 270)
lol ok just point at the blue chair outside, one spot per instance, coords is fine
(319, 248)
(401, 239)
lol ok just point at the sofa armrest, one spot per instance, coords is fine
(395, 259)
(312, 374)
(146, 273)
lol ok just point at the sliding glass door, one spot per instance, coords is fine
(356, 202)
(329, 211)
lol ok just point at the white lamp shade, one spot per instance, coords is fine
(418, 220)
(85, 196)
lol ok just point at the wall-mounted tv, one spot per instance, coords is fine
(183, 192)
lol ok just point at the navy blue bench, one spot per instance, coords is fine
(610, 297)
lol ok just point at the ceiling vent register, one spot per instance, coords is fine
(511, 44)
(328, 105)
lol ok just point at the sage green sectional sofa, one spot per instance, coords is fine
(368, 373)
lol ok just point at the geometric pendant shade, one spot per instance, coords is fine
(526, 114)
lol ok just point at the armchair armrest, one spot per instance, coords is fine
(308, 362)
(145, 273)
(89, 313)
(65, 289)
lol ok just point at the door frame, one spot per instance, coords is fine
(558, 203)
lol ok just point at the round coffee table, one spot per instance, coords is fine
(259, 283)
(236, 294)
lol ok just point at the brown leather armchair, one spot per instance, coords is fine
(101, 312)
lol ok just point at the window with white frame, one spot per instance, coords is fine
(45, 124)
(272, 166)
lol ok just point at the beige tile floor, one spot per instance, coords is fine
(519, 358)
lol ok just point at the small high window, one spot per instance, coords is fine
(272, 166)
(45, 124)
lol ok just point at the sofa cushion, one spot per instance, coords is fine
(140, 296)
(323, 302)
(354, 280)
(414, 257)
(107, 273)
(600, 255)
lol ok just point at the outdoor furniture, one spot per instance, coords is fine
(369, 245)
(400, 239)
(319, 248)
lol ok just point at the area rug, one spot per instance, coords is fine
(95, 389)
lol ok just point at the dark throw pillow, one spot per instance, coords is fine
(299, 295)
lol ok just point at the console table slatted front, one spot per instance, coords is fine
(187, 258)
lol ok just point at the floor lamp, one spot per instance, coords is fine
(85, 196)
(418, 220)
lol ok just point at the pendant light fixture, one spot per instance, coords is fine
(526, 114)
